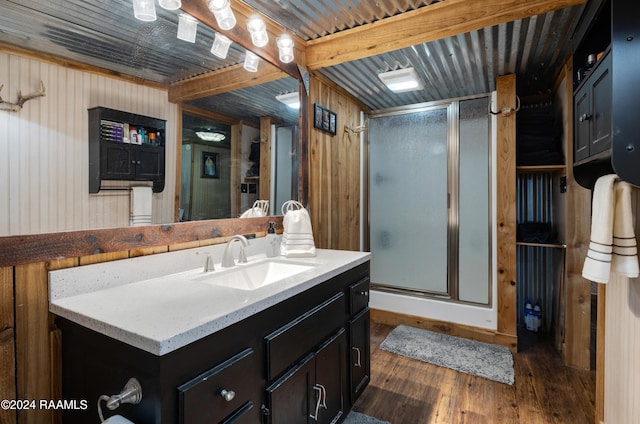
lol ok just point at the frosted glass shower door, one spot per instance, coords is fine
(408, 164)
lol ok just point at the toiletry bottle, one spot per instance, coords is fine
(272, 241)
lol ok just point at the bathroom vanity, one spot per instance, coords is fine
(211, 348)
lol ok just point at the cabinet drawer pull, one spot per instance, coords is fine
(584, 117)
(322, 400)
(227, 395)
(364, 293)
(358, 363)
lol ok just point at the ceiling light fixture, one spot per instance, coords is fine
(258, 30)
(187, 27)
(220, 46)
(251, 62)
(170, 4)
(144, 10)
(292, 100)
(285, 48)
(210, 136)
(222, 12)
(402, 80)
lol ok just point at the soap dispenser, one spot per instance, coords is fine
(272, 241)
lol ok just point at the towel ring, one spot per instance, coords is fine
(291, 205)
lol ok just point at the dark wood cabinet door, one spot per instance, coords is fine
(582, 109)
(117, 161)
(147, 163)
(601, 101)
(330, 384)
(360, 363)
(290, 399)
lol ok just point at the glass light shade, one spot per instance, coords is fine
(170, 4)
(285, 48)
(251, 62)
(222, 12)
(144, 10)
(258, 30)
(187, 27)
(220, 46)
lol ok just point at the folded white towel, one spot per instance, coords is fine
(297, 238)
(611, 217)
(625, 251)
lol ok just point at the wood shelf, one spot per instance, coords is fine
(553, 245)
(542, 168)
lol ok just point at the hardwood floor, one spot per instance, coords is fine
(407, 391)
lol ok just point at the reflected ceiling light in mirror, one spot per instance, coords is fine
(210, 136)
(220, 46)
(292, 100)
(285, 48)
(170, 4)
(402, 80)
(222, 12)
(187, 27)
(144, 10)
(258, 30)
(251, 62)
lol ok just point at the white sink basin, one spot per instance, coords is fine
(253, 276)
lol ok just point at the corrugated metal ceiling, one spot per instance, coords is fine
(105, 34)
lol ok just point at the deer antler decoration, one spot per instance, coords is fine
(15, 107)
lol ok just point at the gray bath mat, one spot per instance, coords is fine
(469, 356)
(358, 418)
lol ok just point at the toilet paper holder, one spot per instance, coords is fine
(131, 393)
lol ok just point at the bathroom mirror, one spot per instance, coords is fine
(221, 145)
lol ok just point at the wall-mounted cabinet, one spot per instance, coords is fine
(606, 92)
(125, 147)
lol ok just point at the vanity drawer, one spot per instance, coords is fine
(220, 394)
(358, 296)
(292, 341)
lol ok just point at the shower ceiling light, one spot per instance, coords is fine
(210, 136)
(402, 80)
(292, 100)
(222, 12)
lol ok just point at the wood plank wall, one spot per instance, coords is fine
(619, 339)
(334, 169)
(506, 206)
(44, 149)
(30, 343)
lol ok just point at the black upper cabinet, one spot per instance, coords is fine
(125, 146)
(607, 93)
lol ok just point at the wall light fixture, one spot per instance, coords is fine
(187, 27)
(251, 61)
(170, 4)
(285, 48)
(258, 30)
(220, 46)
(222, 12)
(144, 10)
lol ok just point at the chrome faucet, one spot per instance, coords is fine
(227, 257)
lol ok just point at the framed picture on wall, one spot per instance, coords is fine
(209, 165)
(324, 119)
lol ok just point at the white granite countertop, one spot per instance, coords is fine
(164, 312)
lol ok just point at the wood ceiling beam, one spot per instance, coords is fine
(222, 81)
(240, 35)
(436, 21)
